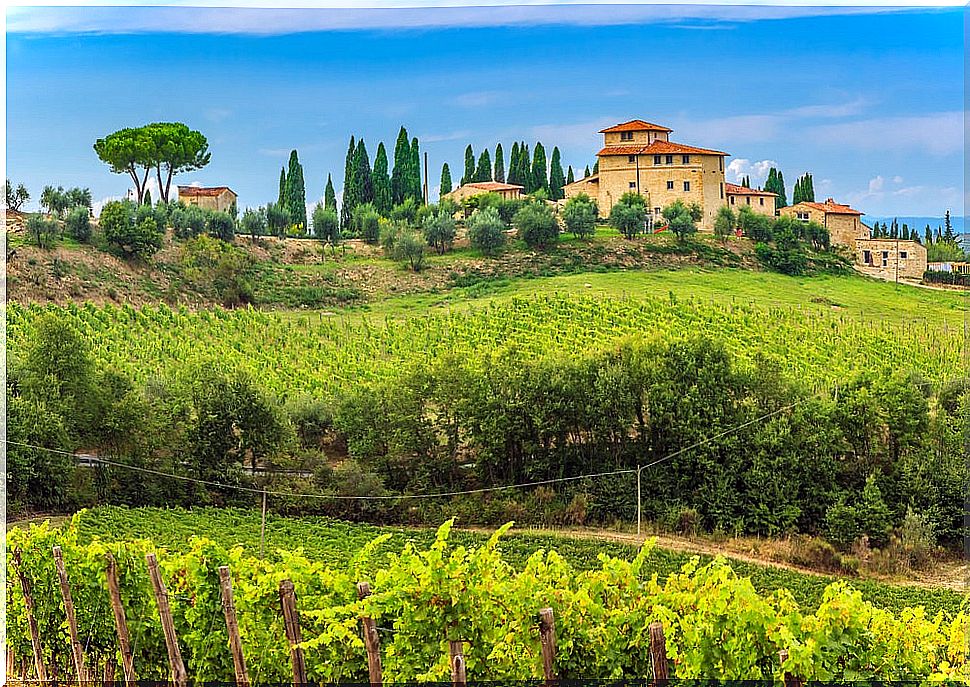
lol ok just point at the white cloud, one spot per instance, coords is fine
(939, 133)
(847, 109)
(876, 184)
(579, 134)
(758, 170)
(897, 179)
(477, 99)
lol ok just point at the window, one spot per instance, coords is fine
(669, 160)
(626, 135)
(633, 184)
(732, 200)
(903, 255)
(656, 211)
(722, 191)
(656, 159)
(747, 199)
(670, 186)
(720, 164)
(867, 257)
(685, 159)
(803, 216)
(885, 258)
(687, 186)
(761, 201)
(631, 158)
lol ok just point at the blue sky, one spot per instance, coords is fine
(870, 100)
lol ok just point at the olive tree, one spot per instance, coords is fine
(579, 215)
(629, 215)
(486, 231)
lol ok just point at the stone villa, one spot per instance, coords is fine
(844, 223)
(762, 202)
(506, 191)
(218, 198)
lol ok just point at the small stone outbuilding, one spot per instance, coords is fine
(476, 188)
(218, 198)
(891, 258)
(844, 223)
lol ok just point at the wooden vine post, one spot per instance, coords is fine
(232, 627)
(658, 653)
(31, 618)
(547, 637)
(790, 680)
(291, 625)
(77, 653)
(457, 660)
(121, 622)
(372, 641)
(179, 676)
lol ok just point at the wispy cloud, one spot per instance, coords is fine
(939, 133)
(477, 99)
(462, 135)
(241, 17)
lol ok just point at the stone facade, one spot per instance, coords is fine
(891, 258)
(844, 224)
(218, 198)
(638, 156)
(507, 191)
(762, 202)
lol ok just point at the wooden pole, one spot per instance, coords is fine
(291, 624)
(790, 680)
(458, 678)
(31, 619)
(11, 664)
(547, 636)
(262, 528)
(232, 626)
(179, 676)
(372, 641)
(121, 622)
(77, 653)
(658, 653)
(639, 509)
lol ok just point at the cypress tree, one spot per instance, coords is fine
(295, 200)
(539, 178)
(362, 175)
(415, 173)
(349, 201)
(948, 234)
(586, 172)
(148, 198)
(499, 164)
(796, 194)
(556, 177)
(381, 182)
(484, 170)
(514, 165)
(928, 236)
(569, 175)
(399, 175)
(330, 196)
(469, 175)
(596, 167)
(809, 189)
(905, 233)
(939, 234)
(782, 196)
(282, 197)
(771, 183)
(445, 180)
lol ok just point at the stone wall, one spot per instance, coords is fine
(878, 257)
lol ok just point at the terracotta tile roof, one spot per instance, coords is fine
(831, 207)
(658, 148)
(635, 125)
(735, 190)
(493, 186)
(591, 179)
(203, 190)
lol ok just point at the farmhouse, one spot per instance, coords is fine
(844, 224)
(219, 198)
(639, 156)
(890, 258)
(762, 202)
(507, 191)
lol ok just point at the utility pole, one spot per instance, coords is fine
(426, 177)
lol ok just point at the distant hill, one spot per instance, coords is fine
(960, 224)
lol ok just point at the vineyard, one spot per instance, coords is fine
(430, 600)
(321, 354)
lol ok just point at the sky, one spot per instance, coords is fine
(870, 100)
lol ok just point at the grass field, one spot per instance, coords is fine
(333, 542)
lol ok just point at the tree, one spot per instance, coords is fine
(928, 236)
(556, 177)
(277, 219)
(253, 222)
(148, 197)
(499, 164)
(486, 231)
(15, 198)
(469, 174)
(78, 224)
(399, 174)
(776, 184)
(484, 170)
(129, 151)
(445, 180)
(579, 216)
(724, 222)
(513, 177)
(586, 172)
(629, 214)
(134, 238)
(539, 178)
(363, 180)
(325, 225)
(175, 148)
(219, 225)
(536, 225)
(782, 196)
(281, 198)
(381, 182)
(682, 219)
(439, 230)
(948, 234)
(330, 196)
(295, 192)
(349, 201)
(415, 173)
(409, 248)
(570, 177)
(44, 232)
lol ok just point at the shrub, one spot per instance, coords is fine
(629, 215)
(366, 222)
(78, 224)
(790, 261)
(277, 219)
(44, 232)
(507, 207)
(579, 216)
(917, 539)
(187, 222)
(220, 225)
(404, 212)
(724, 222)
(536, 225)
(486, 231)
(253, 222)
(311, 417)
(209, 263)
(326, 225)
(409, 248)
(439, 230)
(755, 226)
(134, 239)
